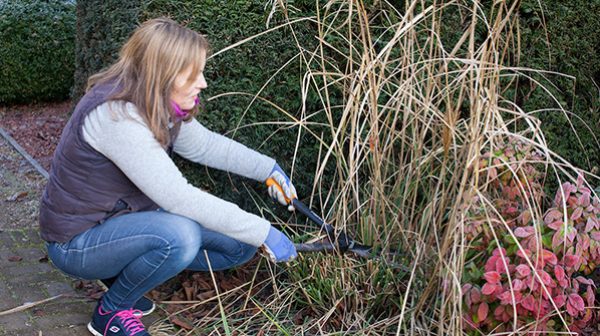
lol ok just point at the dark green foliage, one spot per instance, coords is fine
(36, 50)
(102, 28)
(572, 33)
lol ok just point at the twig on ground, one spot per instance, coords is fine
(28, 305)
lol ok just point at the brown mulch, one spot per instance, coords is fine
(36, 127)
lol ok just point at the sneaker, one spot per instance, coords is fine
(115, 323)
(142, 307)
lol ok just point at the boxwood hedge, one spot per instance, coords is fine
(36, 50)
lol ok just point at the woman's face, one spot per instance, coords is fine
(186, 89)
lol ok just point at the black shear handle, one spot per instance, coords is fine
(343, 242)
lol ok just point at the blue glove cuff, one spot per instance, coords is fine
(280, 247)
(277, 168)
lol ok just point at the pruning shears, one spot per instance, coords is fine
(342, 243)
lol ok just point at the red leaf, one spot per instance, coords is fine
(492, 277)
(549, 257)
(584, 199)
(571, 310)
(590, 296)
(557, 239)
(482, 311)
(523, 270)
(503, 265)
(475, 296)
(580, 181)
(584, 281)
(570, 260)
(568, 188)
(559, 273)
(518, 285)
(490, 265)
(560, 300)
(523, 232)
(547, 279)
(488, 289)
(499, 252)
(552, 216)
(576, 301)
(528, 303)
(498, 312)
(525, 253)
(571, 233)
(590, 224)
(556, 225)
(577, 214)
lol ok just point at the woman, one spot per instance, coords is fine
(117, 208)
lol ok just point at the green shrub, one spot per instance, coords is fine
(37, 50)
(564, 39)
(102, 28)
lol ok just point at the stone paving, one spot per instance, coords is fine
(26, 276)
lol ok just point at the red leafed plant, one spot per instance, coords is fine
(575, 221)
(523, 273)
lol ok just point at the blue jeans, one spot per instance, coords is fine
(143, 250)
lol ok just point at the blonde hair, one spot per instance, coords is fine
(148, 63)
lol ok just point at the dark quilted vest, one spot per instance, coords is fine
(85, 188)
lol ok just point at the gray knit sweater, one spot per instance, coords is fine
(118, 132)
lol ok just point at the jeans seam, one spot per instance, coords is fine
(150, 274)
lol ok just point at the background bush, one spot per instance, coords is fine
(36, 50)
(570, 47)
(102, 28)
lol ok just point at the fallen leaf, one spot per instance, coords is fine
(43, 259)
(17, 196)
(181, 323)
(15, 258)
(206, 295)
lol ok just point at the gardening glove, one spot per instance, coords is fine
(281, 188)
(279, 247)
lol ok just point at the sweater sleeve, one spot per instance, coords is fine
(198, 144)
(131, 146)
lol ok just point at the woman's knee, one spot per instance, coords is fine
(184, 237)
(245, 253)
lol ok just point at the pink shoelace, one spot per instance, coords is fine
(132, 323)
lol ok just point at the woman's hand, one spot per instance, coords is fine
(281, 188)
(279, 247)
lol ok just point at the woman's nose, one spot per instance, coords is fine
(201, 83)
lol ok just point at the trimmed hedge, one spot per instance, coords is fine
(102, 28)
(572, 33)
(37, 50)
